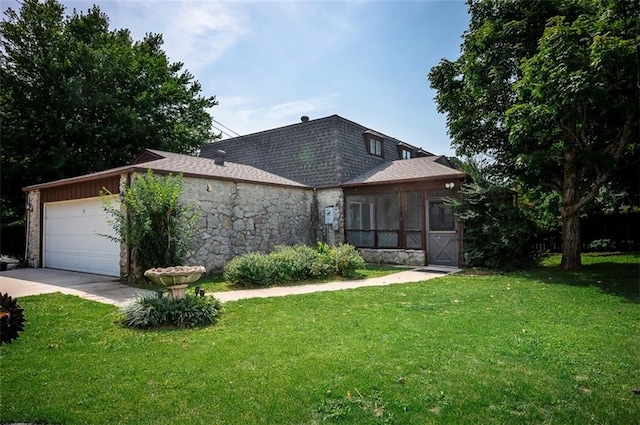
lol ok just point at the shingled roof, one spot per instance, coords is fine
(189, 166)
(406, 170)
(324, 152)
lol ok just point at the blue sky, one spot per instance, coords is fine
(270, 62)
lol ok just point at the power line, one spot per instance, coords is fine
(222, 125)
(222, 131)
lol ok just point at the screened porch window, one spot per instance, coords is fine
(413, 219)
(360, 221)
(374, 221)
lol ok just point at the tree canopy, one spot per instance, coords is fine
(78, 97)
(548, 89)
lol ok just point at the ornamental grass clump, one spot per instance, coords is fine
(155, 311)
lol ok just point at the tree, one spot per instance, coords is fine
(497, 231)
(77, 98)
(549, 91)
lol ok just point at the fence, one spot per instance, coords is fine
(620, 232)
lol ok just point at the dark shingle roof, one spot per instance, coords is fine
(321, 153)
(406, 170)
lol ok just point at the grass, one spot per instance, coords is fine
(539, 346)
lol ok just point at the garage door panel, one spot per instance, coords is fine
(73, 237)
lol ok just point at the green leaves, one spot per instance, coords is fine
(78, 97)
(156, 226)
(548, 91)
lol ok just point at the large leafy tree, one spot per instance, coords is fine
(548, 89)
(78, 97)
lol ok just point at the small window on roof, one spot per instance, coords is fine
(406, 154)
(374, 144)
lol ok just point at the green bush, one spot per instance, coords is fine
(346, 260)
(293, 263)
(497, 233)
(157, 227)
(158, 311)
(603, 245)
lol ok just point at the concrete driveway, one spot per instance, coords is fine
(104, 289)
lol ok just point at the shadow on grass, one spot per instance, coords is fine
(615, 278)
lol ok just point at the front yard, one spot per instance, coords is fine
(540, 346)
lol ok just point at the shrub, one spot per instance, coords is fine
(157, 311)
(157, 227)
(290, 264)
(497, 232)
(602, 245)
(253, 269)
(346, 260)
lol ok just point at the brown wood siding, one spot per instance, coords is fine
(88, 189)
(401, 187)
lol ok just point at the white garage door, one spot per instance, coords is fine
(72, 238)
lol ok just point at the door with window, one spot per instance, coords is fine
(442, 236)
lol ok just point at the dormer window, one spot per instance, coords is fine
(405, 154)
(374, 144)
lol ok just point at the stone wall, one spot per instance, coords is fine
(236, 218)
(33, 229)
(332, 234)
(406, 257)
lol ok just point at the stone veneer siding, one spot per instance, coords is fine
(406, 257)
(332, 234)
(237, 218)
(33, 229)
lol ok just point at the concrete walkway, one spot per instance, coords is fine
(105, 289)
(406, 276)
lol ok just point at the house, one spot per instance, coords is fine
(327, 179)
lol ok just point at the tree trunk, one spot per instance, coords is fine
(570, 209)
(571, 242)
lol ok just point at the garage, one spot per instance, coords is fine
(72, 238)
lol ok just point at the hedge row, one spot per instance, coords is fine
(293, 263)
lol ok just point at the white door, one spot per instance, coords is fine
(72, 238)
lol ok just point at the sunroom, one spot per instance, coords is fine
(397, 213)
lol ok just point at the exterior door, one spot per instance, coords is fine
(442, 237)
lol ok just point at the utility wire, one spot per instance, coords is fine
(222, 131)
(222, 125)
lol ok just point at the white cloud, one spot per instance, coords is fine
(195, 32)
(202, 31)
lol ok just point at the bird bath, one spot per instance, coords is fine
(175, 279)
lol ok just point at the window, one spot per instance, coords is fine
(388, 220)
(360, 215)
(374, 144)
(406, 154)
(413, 219)
(360, 221)
(373, 221)
(441, 217)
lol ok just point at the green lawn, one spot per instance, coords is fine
(540, 346)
